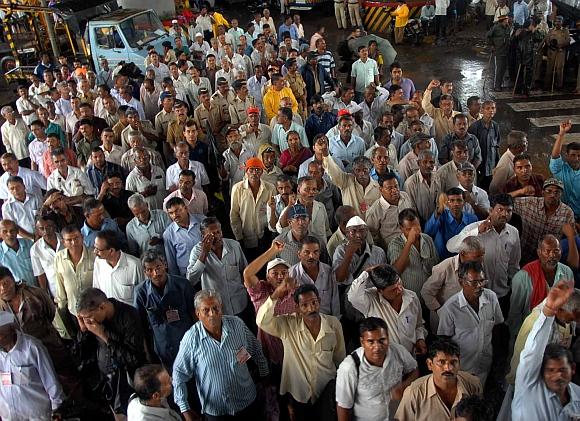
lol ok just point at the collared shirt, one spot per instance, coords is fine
(197, 204)
(406, 326)
(23, 213)
(406, 84)
(97, 176)
(33, 181)
(364, 72)
(34, 390)
(471, 330)
(536, 224)
(14, 138)
(442, 284)
(353, 193)
(442, 228)
(473, 149)
(408, 165)
(309, 363)
(303, 169)
(18, 261)
(169, 313)
(366, 388)
(175, 132)
(349, 151)
(139, 234)
(421, 262)
(42, 259)
(522, 289)
(162, 120)
(502, 254)
(137, 182)
(532, 398)
(382, 219)
(272, 99)
(421, 402)
(179, 241)
(256, 87)
(235, 166)
(571, 179)
(173, 171)
(441, 122)
(481, 199)
(536, 181)
(138, 411)
(423, 195)
(318, 226)
(319, 124)
(89, 233)
(292, 246)
(114, 155)
(254, 140)
(118, 282)
(248, 214)
(36, 150)
(193, 88)
(521, 12)
(72, 279)
(135, 103)
(161, 71)
(447, 175)
(221, 274)
(224, 384)
(280, 135)
(237, 109)
(376, 256)
(326, 284)
(76, 182)
(489, 140)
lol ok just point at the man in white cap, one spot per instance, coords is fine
(30, 388)
(175, 30)
(199, 46)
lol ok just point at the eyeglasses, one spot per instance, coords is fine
(476, 282)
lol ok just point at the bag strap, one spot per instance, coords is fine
(359, 268)
(356, 360)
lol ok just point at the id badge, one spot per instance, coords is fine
(172, 316)
(242, 356)
(6, 378)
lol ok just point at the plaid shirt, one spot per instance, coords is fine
(536, 224)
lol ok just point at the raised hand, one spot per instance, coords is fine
(277, 246)
(565, 126)
(558, 296)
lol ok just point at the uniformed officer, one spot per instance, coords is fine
(340, 13)
(499, 38)
(297, 84)
(240, 103)
(557, 41)
(528, 38)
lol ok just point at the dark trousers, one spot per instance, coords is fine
(324, 409)
(500, 69)
(252, 412)
(24, 163)
(441, 25)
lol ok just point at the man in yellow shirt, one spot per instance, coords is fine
(217, 19)
(274, 95)
(401, 15)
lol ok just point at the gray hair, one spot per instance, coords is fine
(136, 200)
(471, 244)
(134, 133)
(573, 302)
(205, 294)
(425, 153)
(362, 160)
(6, 109)
(151, 256)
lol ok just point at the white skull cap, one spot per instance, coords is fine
(355, 221)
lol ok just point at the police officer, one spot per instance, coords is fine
(528, 38)
(499, 39)
(557, 41)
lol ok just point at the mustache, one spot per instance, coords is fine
(448, 374)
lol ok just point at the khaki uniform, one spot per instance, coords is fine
(340, 14)
(175, 132)
(238, 109)
(556, 57)
(202, 116)
(146, 127)
(354, 13)
(223, 104)
(298, 87)
(162, 120)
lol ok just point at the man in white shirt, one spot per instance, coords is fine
(43, 253)
(476, 199)
(115, 273)
(126, 98)
(374, 375)
(181, 151)
(71, 181)
(21, 207)
(161, 70)
(14, 134)
(364, 72)
(26, 106)
(468, 318)
(33, 180)
(152, 384)
(147, 179)
(113, 153)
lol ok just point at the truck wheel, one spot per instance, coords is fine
(7, 63)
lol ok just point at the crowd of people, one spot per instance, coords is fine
(240, 236)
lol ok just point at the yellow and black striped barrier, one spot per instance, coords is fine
(378, 15)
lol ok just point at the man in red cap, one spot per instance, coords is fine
(248, 210)
(254, 133)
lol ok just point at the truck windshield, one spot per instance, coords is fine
(141, 29)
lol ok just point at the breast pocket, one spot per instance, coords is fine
(232, 272)
(24, 375)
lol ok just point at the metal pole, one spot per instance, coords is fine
(50, 31)
(517, 77)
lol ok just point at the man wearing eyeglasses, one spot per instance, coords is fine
(468, 318)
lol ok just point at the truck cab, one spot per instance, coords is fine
(124, 35)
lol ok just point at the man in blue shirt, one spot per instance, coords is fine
(287, 27)
(521, 12)
(165, 306)
(95, 221)
(319, 121)
(568, 170)
(448, 220)
(346, 146)
(215, 352)
(15, 253)
(181, 236)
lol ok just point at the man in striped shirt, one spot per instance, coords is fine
(215, 352)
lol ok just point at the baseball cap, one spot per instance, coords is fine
(466, 166)
(297, 211)
(221, 81)
(553, 182)
(231, 129)
(254, 163)
(167, 44)
(165, 95)
(253, 110)
(277, 261)
(343, 113)
(312, 55)
(355, 221)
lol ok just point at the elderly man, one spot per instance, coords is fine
(408, 165)
(545, 370)
(71, 181)
(248, 209)
(307, 369)
(129, 158)
(219, 264)
(96, 221)
(366, 387)
(145, 230)
(180, 236)
(115, 273)
(14, 135)
(424, 187)
(73, 269)
(382, 216)
(378, 292)
(541, 216)
(531, 284)
(221, 345)
(147, 179)
(118, 346)
(444, 282)
(152, 384)
(434, 397)
(358, 190)
(31, 390)
(472, 330)
(181, 151)
(165, 306)
(34, 182)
